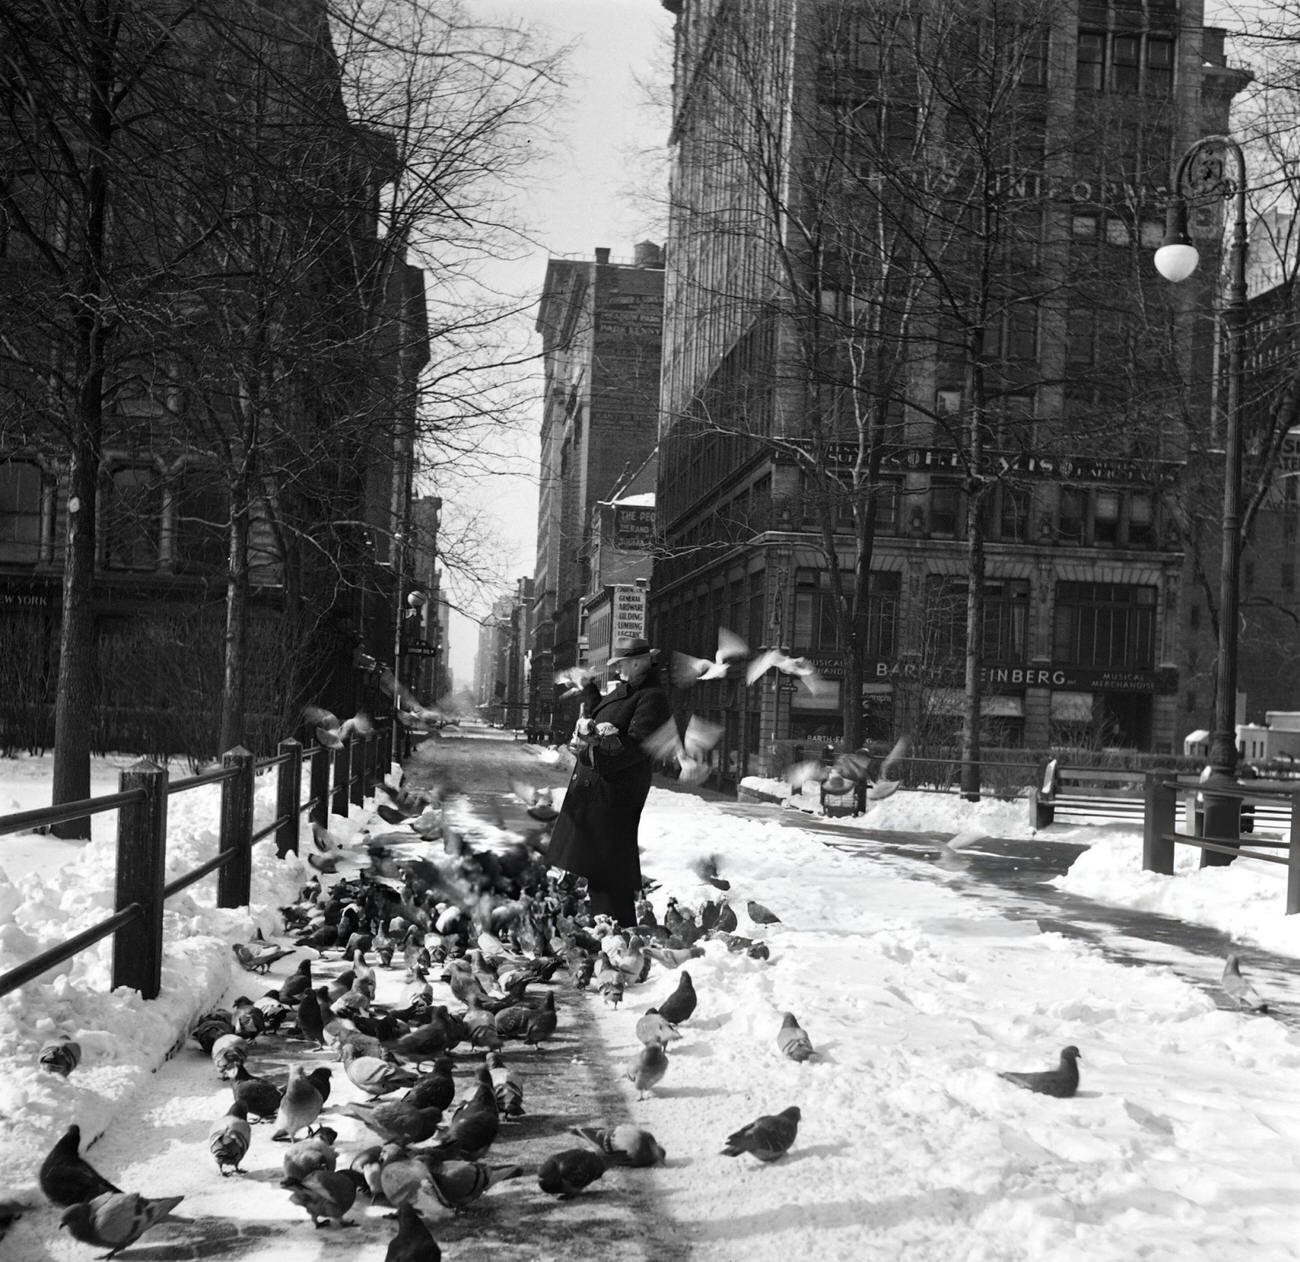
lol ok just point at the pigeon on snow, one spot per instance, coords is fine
(1062, 1082)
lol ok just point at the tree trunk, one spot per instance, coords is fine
(74, 701)
(970, 731)
(234, 689)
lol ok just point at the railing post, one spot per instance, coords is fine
(1158, 817)
(320, 786)
(1293, 860)
(342, 770)
(141, 864)
(356, 748)
(235, 876)
(288, 798)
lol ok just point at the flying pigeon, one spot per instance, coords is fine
(537, 800)
(798, 667)
(767, 1138)
(883, 785)
(1062, 1082)
(330, 732)
(687, 670)
(1237, 988)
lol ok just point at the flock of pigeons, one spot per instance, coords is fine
(475, 940)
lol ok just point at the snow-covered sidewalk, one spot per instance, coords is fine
(1183, 1141)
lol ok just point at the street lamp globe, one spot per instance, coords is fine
(1177, 260)
(417, 600)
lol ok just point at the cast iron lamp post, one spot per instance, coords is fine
(1201, 175)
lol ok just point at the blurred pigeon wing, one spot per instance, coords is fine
(895, 755)
(761, 665)
(701, 736)
(730, 646)
(664, 741)
(686, 669)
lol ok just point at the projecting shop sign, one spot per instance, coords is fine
(629, 613)
(634, 527)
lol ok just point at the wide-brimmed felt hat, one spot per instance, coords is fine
(625, 649)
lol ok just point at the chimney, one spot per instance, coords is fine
(602, 255)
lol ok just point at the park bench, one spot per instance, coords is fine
(1085, 795)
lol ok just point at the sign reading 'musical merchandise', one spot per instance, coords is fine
(629, 613)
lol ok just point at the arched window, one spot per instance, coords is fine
(132, 518)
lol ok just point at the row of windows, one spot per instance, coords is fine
(1110, 61)
(1094, 624)
(1106, 61)
(1098, 516)
(146, 521)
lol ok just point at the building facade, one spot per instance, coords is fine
(244, 421)
(909, 338)
(601, 323)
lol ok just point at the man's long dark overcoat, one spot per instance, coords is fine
(596, 833)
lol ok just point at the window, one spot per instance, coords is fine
(1117, 231)
(947, 402)
(1013, 518)
(1105, 624)
(1126, 62)
(132, 518)
(1105, 517)
(1083, 225)
(1081, 335)
(20, 512)
(1091, 60)
(201, 516)
(1032, 42)
(1006, 620)
(945, 508)
(815, 623)
(887, 502)
(944, 644)
(1013, 335)
(1160, 66)
(1141, 519)
(1071, 515)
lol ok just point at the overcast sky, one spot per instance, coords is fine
(580, 199)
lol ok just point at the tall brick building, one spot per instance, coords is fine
(827, 327)
(601, 323)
